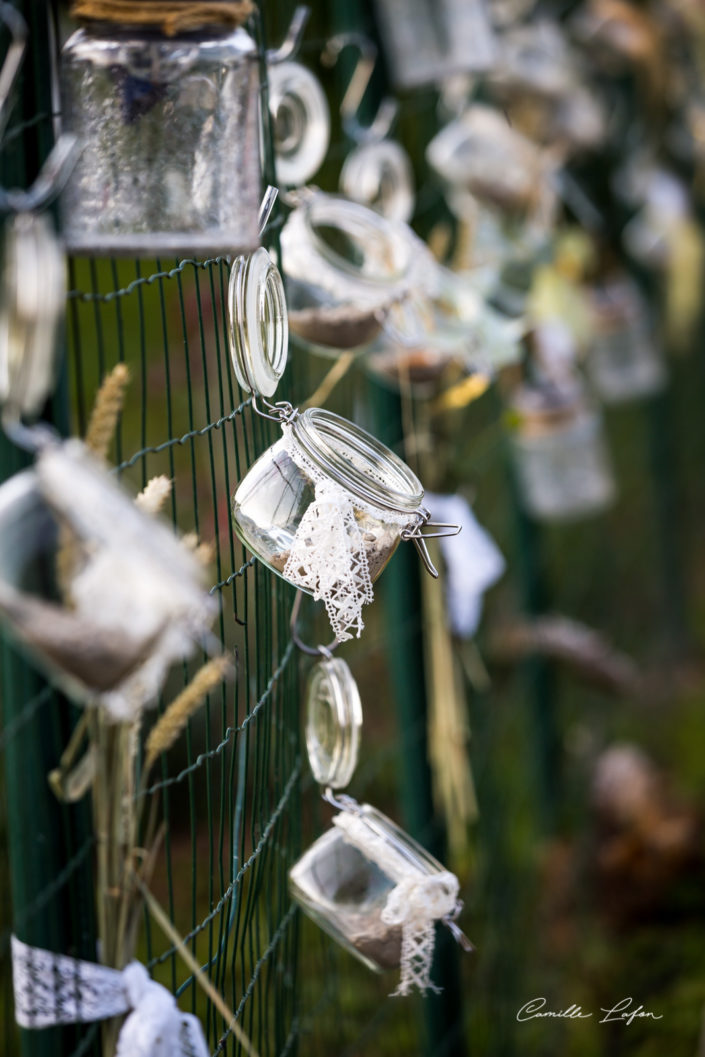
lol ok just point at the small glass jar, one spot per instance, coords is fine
(426, 43)
(346, 268)
(479, 154)
(272, 499)
(170, 132)
(344, 886)
(623, 361)
(333, 723)
(560, 454)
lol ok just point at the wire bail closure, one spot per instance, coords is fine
(418, 536)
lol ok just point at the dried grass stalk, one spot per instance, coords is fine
(106, 410)
(167, 729)
(448, 727)
(154, 495)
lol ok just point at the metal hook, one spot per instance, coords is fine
(281, 412)
(312, 651)
(64, 154)
(354, 93)
(292, 41)
(342, 802)
(17, 26)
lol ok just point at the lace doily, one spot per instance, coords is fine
(54, 989)
(416, 903)
(328, 556)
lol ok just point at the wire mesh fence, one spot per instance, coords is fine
(235, 796)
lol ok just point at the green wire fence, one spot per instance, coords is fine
(235, 795)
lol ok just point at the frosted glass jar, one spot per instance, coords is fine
(561, 458)
(426, 43)
(170, 134)
(344, 886)
(272, 499)
(624, 361)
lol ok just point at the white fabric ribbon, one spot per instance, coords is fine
(473, 561)
(416, 903)
(53, 989)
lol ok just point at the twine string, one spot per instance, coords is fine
(171, 16)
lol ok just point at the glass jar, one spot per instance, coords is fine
(479, 154)
(426, 43)
(347, 267)
(623, 361)
(333, 723)
(383, 493)
(170, 133)
(344, 882)
(137, 600)
(561, 459)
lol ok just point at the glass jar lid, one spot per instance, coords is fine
(32, 296)
(380, 176)
(259, 330)
(301, 122)
(357, 461)
(333, 723)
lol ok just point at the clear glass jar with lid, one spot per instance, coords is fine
(624, 361)
(326, 507)
(348, 269)
(562, 464)
(377, 892)
(169, 122)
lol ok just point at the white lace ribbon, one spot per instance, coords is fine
(416, 903)
(328, 555)
(53, 989)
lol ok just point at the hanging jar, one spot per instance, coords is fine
(624, 361)
(561, 459)
(325, 506)
(426, 42)
(351, 273)
(166, 107)
(378, 893)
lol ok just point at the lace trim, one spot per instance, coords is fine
(328, 556)
(416, 902)
(55, 989)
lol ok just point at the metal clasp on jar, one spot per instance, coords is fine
(416, 534)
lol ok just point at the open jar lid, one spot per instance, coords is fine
(258, 323)
(301, 122)
(333, 723)
(32, 296)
